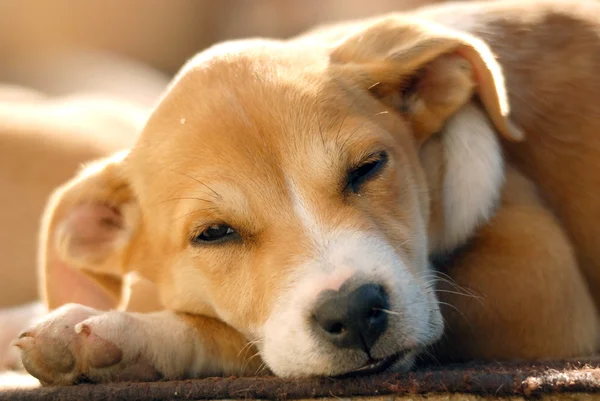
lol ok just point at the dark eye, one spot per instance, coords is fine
(366, 171)
(213, 233)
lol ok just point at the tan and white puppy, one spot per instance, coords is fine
(286, 198)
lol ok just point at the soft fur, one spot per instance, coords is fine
(260, 135)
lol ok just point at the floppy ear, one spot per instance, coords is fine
(87, 229)
(426, 71)
(430, 74)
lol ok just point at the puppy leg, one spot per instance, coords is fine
(532, 302)
(77, 343)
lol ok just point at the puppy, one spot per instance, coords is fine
(342, 202)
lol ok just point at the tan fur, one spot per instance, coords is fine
(260, 135)
(529, 298)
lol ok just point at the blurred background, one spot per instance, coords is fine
(64, 45)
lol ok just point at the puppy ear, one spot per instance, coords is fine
(87, 229)
(430, 74)
(426, 71)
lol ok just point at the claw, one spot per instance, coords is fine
(22, 342)
(83, 328)
(25, 334)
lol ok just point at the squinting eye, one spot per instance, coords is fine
(215, 232)
(366, 171)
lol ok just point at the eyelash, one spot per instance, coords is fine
(366, 171)
(228, 234)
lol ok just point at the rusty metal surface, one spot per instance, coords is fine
(570, 380)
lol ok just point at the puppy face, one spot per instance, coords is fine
(296, 191)
(265, 191)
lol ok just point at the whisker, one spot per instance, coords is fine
(427, 351)
(434, 279)
(247, 362)
(480, 299)
(448, 280)
(457, 310)
(186, 198)
(319, 121)
(444, 275)
(261, 369)
(432, 287)
(195, 211)
(389, 312)
(216, 194)
(248, 345)
(376, 84)
(345, 117)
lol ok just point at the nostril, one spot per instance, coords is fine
(352, 318)
(335, 328)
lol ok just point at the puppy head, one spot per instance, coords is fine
(292, 191)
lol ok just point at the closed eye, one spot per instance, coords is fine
(215, 233)
(365, 171)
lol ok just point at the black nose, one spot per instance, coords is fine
(352, 318)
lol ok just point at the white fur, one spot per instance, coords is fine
(290, 347)
(474, 175)
(150, 342)
(308, 219)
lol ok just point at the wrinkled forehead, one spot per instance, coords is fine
(254, 122)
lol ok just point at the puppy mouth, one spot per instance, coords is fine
(375, 366)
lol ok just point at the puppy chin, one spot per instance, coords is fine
(405, 364)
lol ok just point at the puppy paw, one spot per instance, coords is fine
(79, 344)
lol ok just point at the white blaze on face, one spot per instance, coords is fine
(291, 347)
(313, 228)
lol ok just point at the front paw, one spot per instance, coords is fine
(75, 343)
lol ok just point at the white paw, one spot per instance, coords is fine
(75, 343)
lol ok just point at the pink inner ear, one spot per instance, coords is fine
(92, 229)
